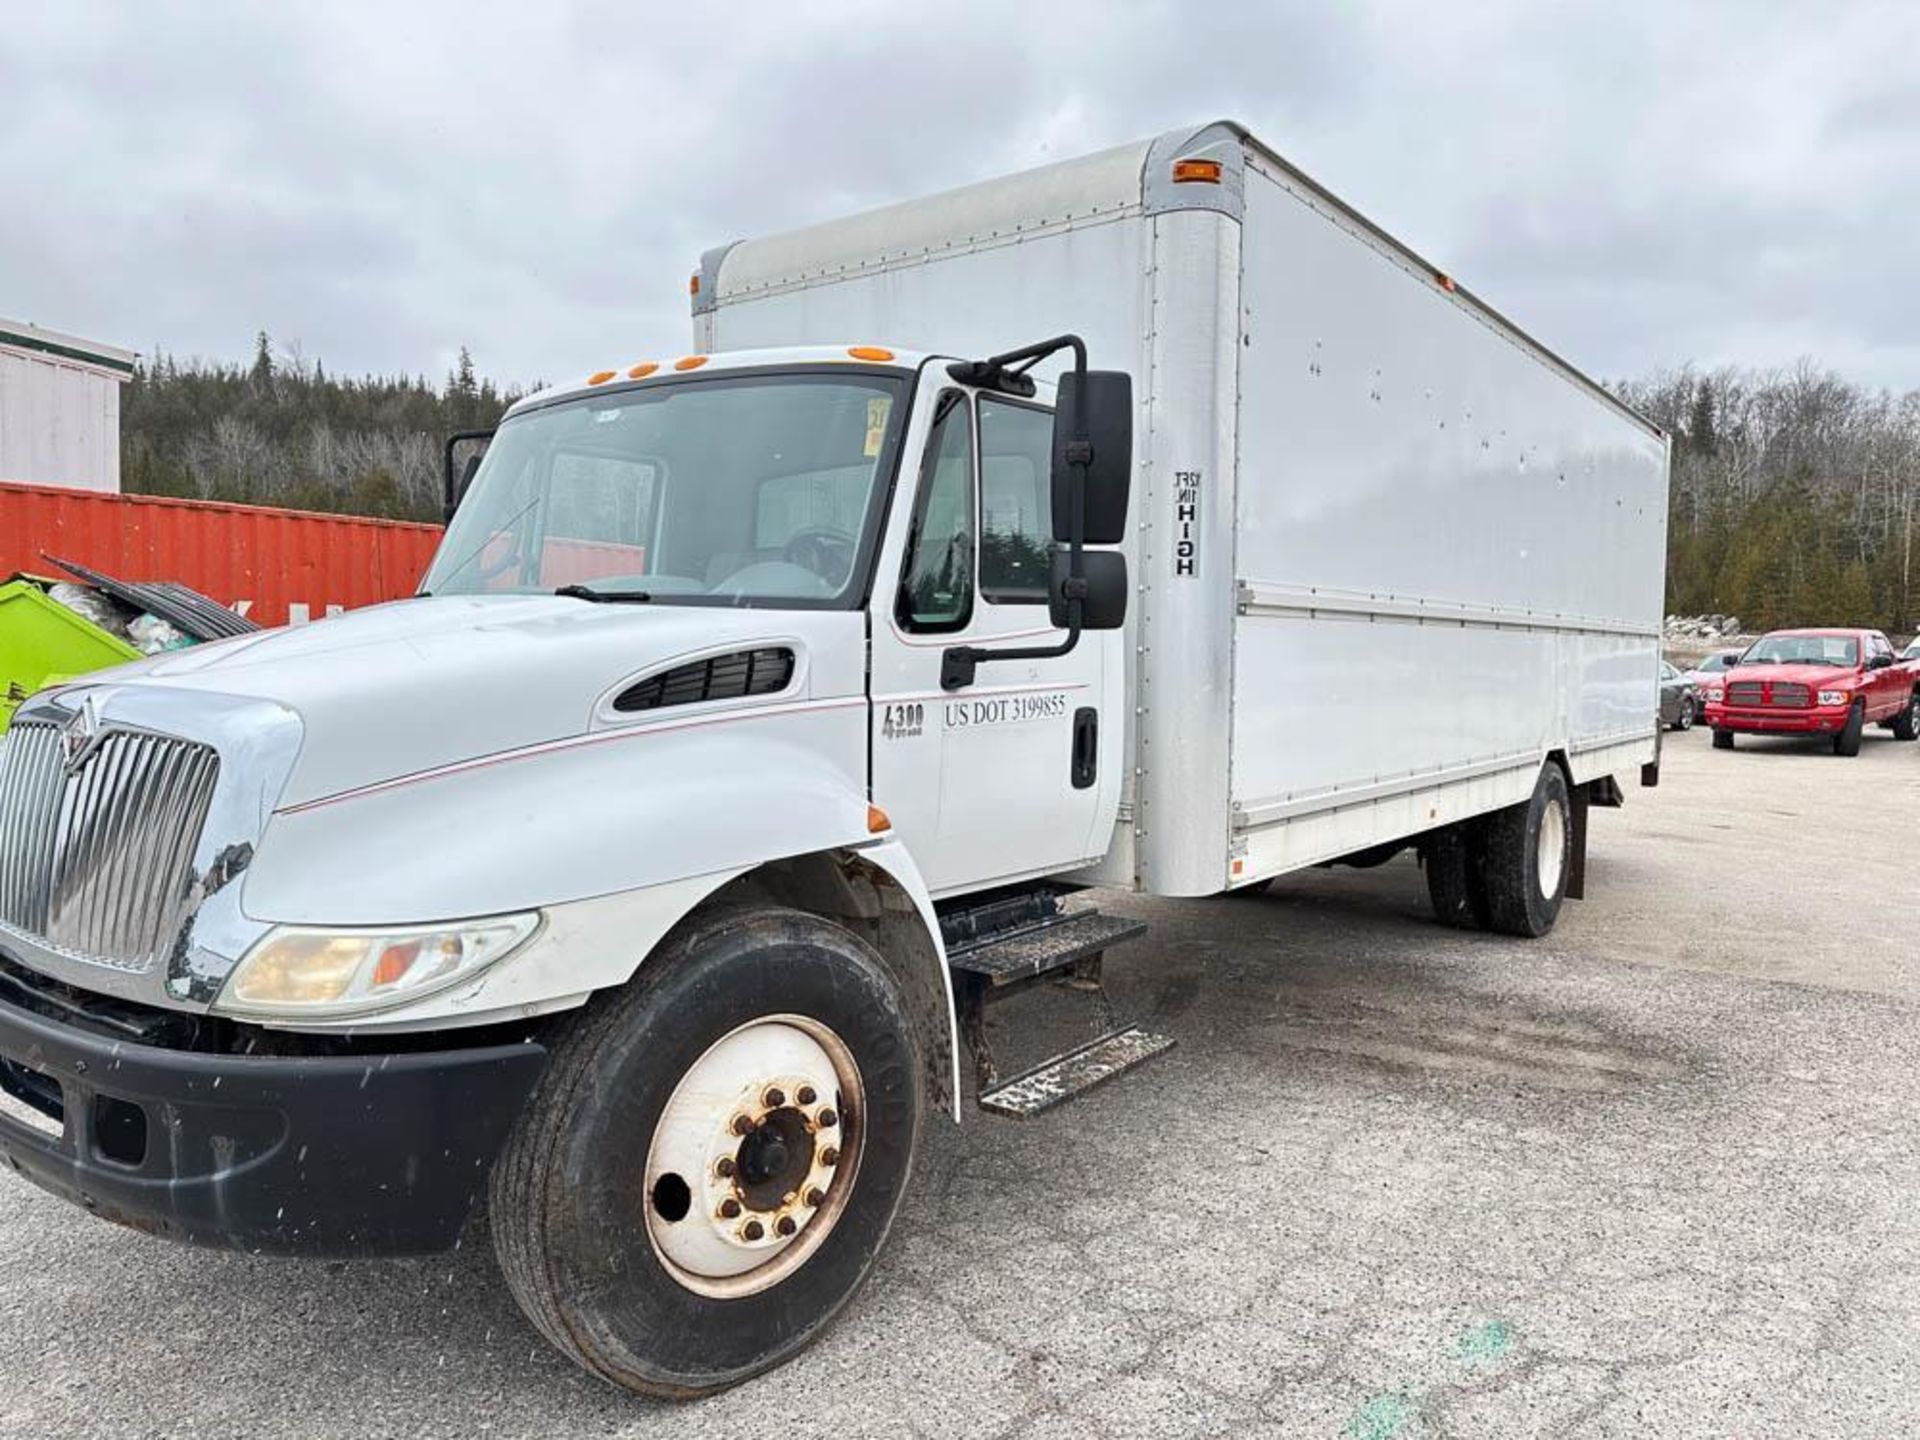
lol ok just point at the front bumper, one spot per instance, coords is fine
(1810, 721)
(348, 1155)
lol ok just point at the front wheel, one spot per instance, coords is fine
(1684, 720)
(1847, 740)
(1906, 725)
(715, 1156)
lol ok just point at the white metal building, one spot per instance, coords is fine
(60, 408)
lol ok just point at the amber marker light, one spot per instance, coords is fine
(689, 362)
(599, 377)
(642, 370)
(877, 821)
(1196, 172)
(870, 352)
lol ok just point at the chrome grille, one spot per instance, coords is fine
(1786, 694)
(97, 861)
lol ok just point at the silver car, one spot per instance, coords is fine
(1679, 702)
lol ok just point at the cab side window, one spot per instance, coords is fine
(936, 584)
(1016, 501)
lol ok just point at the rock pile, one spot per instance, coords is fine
(1702, 630)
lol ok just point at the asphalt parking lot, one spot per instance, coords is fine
(1652, 1175)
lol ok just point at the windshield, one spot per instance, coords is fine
(759, 490)
(1804, 650)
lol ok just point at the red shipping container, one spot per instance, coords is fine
(274, 566)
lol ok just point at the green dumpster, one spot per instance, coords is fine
(42, 641)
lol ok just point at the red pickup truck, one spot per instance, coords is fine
(1816, 682)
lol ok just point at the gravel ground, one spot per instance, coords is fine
(1652, 1175)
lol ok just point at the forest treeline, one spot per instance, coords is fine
(1794, 493)
(281, 431)
(1795, 496)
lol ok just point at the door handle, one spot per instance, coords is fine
(1086, 746)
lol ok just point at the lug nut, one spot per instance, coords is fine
(774, 1098)
(830, 1156)
(826, 1119)
(805, 1095)
(816, 1197)
(754, 1230)
(724, 1167)
(785, 1225)
(729, 1208)
(743, 1124)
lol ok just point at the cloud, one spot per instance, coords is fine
(1639, 184)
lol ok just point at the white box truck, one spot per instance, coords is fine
(653, 870)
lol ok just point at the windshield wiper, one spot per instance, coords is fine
(605, 597)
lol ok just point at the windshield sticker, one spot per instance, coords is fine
(878, 408)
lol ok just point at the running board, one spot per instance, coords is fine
(1069, 1076)
(1055, 944)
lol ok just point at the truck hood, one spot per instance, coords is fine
(396, 689)
(1814, 677)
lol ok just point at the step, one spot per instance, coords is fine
(1069, 1076)
(1051, 946)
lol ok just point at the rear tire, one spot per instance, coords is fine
(1527, 858)
(1723, 739)
(589, 1237)
(1906, 725)
(1451, 858)
(1847, 741)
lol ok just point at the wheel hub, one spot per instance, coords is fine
(754, 1156)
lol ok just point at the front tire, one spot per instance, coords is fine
(1847, 741)
(1906, 725)
(1527, 856)
(1684, 721)
(715, 1155)
(1723, 739)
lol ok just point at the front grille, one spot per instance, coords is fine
(97, 861)
(1755, 694)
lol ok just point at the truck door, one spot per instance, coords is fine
(1004, 778)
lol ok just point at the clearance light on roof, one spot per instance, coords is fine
(689, 362)
(1444, 281)
(693, 283)
(642, 370)
(869, 352)
(1196, 172)
(599, 377)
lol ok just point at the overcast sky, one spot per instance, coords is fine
(1640, 183)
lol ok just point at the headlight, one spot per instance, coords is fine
(325, 973)
(1716, 693)
(1834, 697)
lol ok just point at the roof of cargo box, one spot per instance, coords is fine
(1129, 180)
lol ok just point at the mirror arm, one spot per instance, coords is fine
(959, 663)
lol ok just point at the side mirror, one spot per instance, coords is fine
(459, 472)
(1879, 662)
(1108, 415)
(1103, 606)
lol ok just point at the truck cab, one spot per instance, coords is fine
(732, 665)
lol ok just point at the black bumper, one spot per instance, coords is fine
(342, 1155)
